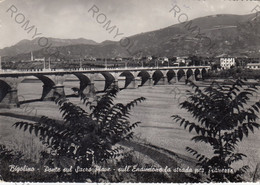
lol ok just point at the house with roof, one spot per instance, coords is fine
(253, 66)
(149, 58)
(118, 59)
(226, 62)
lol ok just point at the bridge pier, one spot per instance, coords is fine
(89, 90)
(87, 85)
(132, 85)
(10, 100)
(110, 79)
(115, 80)
(53, 87)
(149, 82)
(9, 92)
(192, 78)
(131, 80)
(175, 78)
(164, 79)
(146, 78)
(182, 78)
(198, 76)
(50, 93)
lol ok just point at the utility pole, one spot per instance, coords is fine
(44, 64)
(32, 59)
(80, 63)
(105, 63)
(49, 63)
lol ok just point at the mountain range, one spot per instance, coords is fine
(25, 46)
(237, 35)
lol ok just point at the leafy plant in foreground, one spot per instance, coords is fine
(224, 119)
(85, 138)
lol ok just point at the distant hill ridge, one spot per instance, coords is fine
(25, 46)
(230, 34)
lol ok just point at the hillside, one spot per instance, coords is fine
(25, 46)
(229, 34)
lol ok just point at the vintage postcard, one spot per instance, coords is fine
(129, 91)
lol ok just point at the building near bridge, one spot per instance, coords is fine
(181, 59)
(227, 62)
(164, 59)
(118, 59)
(37, 59)
(149, 58)
(253, 66)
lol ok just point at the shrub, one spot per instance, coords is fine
(7, 156)
(223, 121)
(84, 139)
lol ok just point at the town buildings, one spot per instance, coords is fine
(36, 59)
(253, 66)
(227, 62)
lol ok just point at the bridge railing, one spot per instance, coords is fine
(97, 69)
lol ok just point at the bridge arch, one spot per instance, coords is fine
(4, 89)
(157, 76)
(109, 79)
(129, 78)
(45, 80)
(86, 84)
(8, 91)
(171, 75)
(190, 74)
(181, 75)
(146, 78)
(52, 87)
(197, 74)
(203, 73)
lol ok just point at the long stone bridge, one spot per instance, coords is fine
(53, 79)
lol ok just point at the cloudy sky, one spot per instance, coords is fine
(72, 18)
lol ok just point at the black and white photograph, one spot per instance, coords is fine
(129, 91)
